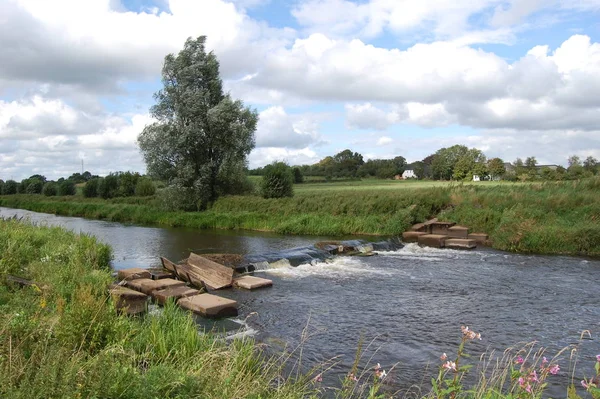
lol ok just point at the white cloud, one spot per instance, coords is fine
(278, 129)
(266, 155)
(384, 140)
(367, 116)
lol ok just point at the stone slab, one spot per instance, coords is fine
(432, 240)
(480, 238)
(128, 301)
(440, 228)
(460, 243)
(251, 282)
(176, 292)
(156, 274)
(133, 273)
(458, 232)
(419, 227)
(148, 286)
(412, 236)
(209, 305)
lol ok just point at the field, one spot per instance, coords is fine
(546, 218)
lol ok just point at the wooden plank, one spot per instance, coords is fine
(19, 281)
(167, 264)
(212, 274)
(229, 260)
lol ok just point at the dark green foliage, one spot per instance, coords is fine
(298, 176)
(66, 187)
(145, 187)
(90, 190)
(34, 186)
(1, 186)
(49, 189)
(108, 187)
(278, 181)
(10, 187)
(22, 187)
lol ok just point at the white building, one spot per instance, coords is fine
(409, 174)
(476, 178)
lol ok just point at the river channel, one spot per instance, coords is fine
(407, 305)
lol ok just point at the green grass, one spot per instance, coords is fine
(547, 218)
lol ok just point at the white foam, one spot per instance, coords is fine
(339, 267)
(414, 251)
(244, 331)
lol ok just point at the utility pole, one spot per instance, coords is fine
(81, 165)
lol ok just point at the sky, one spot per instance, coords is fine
(514, 78)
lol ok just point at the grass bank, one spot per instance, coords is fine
(63, 338)
(546, 218)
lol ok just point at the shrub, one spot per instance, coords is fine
(66, 187)
(49, 189)
(108, 187)
(278, 181)
(34, 187)
(145, 187)
(90, 190)
(10, 187)
(127, 183)
(1, 186)
(298, 177)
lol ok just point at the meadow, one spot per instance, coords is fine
(543, 218)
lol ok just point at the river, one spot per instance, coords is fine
(407, 305)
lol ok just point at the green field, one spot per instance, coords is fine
(548, 218)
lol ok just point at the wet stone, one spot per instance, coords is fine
(209, 305)
(177, 292)
(433, 240)
(133, 273)
(251, 282)
(148, 286)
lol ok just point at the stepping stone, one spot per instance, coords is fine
(148, 286)
(251, 282)
(176, 293)
(133, 273)
(128, 301)
(480, 238)
(209, 305)
(460, 243)
(440, 228)
(433, 240)
(160, 274)
(458, 232)
(422, 227)
(412, 236)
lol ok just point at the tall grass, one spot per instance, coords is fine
(549, 218)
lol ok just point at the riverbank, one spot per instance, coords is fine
(543, 218)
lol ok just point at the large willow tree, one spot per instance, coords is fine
(201, 134)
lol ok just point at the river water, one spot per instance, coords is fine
(407, 305)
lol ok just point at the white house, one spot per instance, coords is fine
(476, 178)
(409, 174)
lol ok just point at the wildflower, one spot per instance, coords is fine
(352, 377)
(598, 358)
(588, 384)
(554, 369)
(521, 381)
(528, 388)
(533, 376)
(381, 374)
(519, 360)
(378, 367)
(544, 361)
(449, 365)
(444, 356)
(318, 378)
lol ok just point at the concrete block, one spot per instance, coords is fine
(433, 240)
(412, 236)
(480, 238)
(176, 292)
(251, 282)
(419, 227)
(148, 286)
(458, 232)
(128, 301)
(209, 305)
(460, 243)
(133, 273)
(159, 274)
(440, 228)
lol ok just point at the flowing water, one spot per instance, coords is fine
(407, 305)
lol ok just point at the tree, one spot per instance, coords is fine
(199, 129)
(419, 169)
(90, 190)
(574, 160)
(444, 161)
(10, 187)
(145, 187)
(49, 189)
(278, 181)
(531, 167)
(66, 187)
(346, 163)
(590, 164)
(496, 168)
(298, 176)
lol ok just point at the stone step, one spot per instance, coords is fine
(251, 282)
(458, 232)
(460, 243)
(133, 273)
(148, 286)
(159, 274)
(480, 238)
(412, 236)
(128, 301)
(440, 228)
(432, 240)
(209, 305)
(175, 292)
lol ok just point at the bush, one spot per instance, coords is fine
(298, 177)
(127, 183)
(108, 187)
(278, 181)
(49, 189)
(66, 187)
(90, 190)
(10, 187)
(145, 187)
(34, 187)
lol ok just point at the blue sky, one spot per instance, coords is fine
(514, 78)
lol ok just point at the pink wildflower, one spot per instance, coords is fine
(318, 378)
(533, 376)
(598, 358)
(544, 361)
(449, 365)
(521, 381)
(377, 367)
(554, 369)
(381, 374)
(519, 360)
(585, 384)
(444, 356)
(528, 388)
(352, 377)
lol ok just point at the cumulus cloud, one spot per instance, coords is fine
(384, 140)
(266, 155)
(278, 129)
